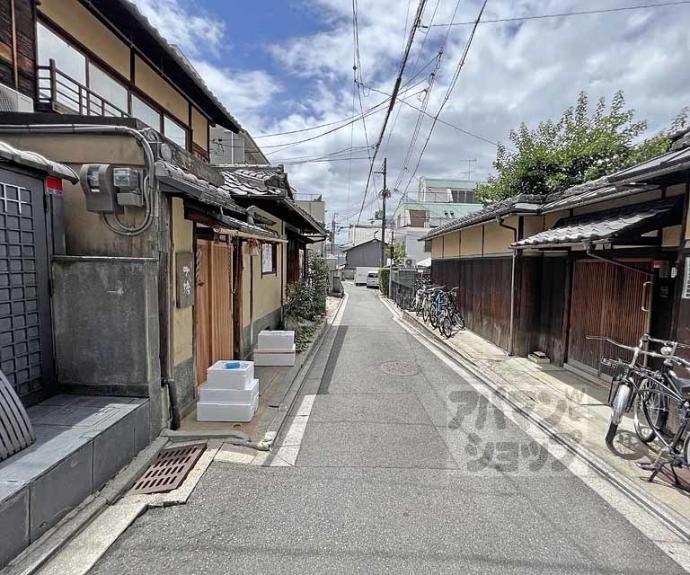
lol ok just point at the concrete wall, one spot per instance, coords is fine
(183, 318)
(85, 232)
(106, 328)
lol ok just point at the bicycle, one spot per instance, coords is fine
(451, 318)
(670, 387)
(628, 379)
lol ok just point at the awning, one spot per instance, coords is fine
(175, 180)
(210, 218)
(626, 223)
(36, 161)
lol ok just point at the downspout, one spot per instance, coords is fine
(511, 345)
(589, 250)
(165, 323)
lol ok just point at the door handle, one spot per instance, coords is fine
(644, 296)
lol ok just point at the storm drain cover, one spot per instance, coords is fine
(398, 368)
(169, 470)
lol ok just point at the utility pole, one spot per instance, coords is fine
(384, 194)
(333, 234)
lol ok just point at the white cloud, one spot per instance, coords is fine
(190, 31)
(515, 72)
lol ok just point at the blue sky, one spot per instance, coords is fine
(287, 65)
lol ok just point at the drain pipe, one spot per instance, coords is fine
(511, 346)
(589, 250)
(165, 323)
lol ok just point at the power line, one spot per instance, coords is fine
(325, 160)
(357, 69)
(567, 14)
(425, 104)
(394, 96)
(370, 111)
(449, 91)
(440, 121)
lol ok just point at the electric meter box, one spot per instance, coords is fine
(99, 188)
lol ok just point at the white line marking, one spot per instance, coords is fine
(292, 440)
(666, 539)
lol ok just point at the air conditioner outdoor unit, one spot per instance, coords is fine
(409, 263)
(13, 101)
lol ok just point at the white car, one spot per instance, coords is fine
(373, 279)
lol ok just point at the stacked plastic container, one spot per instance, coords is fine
(231, 393)
(275, 348)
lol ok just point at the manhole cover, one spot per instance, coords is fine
(169, 469)
(398, 368)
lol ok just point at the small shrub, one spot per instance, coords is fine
(384, 280)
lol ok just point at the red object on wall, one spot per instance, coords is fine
(54, 186)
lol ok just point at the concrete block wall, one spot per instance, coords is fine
(106, 328)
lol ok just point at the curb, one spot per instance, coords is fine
(49, 544)
(659, 509)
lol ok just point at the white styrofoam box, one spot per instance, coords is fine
(220, 377)
(276, 340)
(266, 350)
(225, 411)
(273, 359)
(225, 395)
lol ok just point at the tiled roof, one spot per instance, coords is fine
(36, 161)
(255, 180)
(673, 161)
(603, 225)
(589, 193)
(196, 188)
(523, 203)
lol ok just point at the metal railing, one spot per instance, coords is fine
(61, 93)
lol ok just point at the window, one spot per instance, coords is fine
(67, 58)
(417, 218)
(463, 196)
(268, 258)
(110, 90)
(147, 114)
(173, 131)
(427, 246)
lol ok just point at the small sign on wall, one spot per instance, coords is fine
(184, 262)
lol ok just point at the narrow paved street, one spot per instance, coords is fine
(402, 467)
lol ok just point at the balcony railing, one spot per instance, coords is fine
(60, 93)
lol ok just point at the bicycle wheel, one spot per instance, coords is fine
(458, 320)
(618, 406)
(433, 317)
(650, 411)
(447, 327)
(425, 313)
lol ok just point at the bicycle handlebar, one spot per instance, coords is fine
(673, 358)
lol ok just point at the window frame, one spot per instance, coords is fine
(133, 91)
(274, 258)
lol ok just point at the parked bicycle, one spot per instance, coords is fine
(668, 393)
(636, 386)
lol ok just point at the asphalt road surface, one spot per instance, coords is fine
(402, 467)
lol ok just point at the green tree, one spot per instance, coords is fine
(582, 145)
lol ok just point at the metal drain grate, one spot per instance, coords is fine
(169, 469)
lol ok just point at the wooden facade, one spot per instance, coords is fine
(560, 295)
(18, 46)
(484, 294)
(214, 305)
